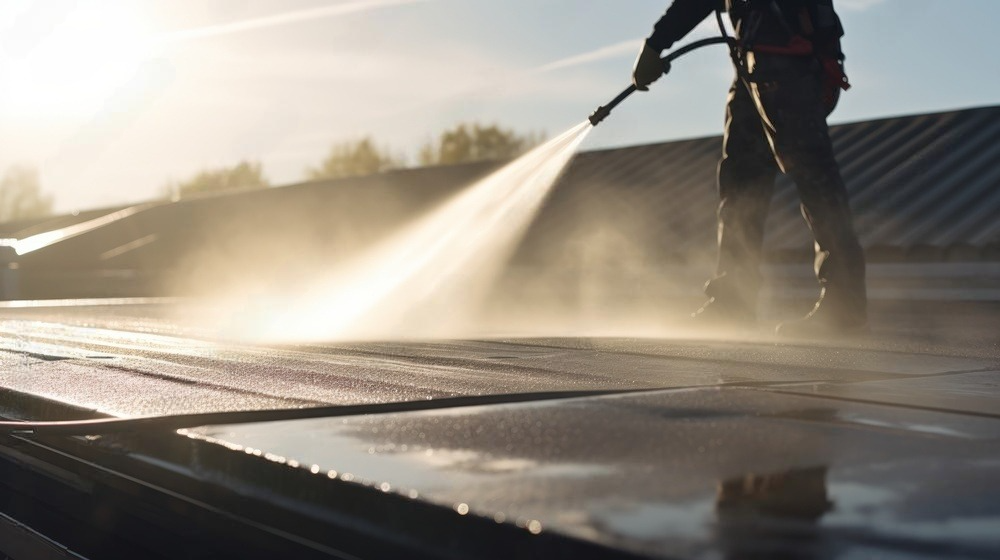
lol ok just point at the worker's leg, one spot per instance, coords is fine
(746, 182)
(789, 93)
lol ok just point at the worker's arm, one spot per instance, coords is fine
(682, 16)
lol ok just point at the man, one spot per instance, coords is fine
(789, 76)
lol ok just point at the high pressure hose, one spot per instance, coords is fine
(603, 111)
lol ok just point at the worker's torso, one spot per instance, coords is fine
(775, 22)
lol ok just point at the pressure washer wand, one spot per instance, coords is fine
(603, 111)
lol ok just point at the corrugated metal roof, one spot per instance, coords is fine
(924, 187)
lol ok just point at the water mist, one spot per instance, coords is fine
(428, 279)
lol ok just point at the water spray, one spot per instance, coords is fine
(603, 111)
(428, 280)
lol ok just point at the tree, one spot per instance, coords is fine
(21, 195)
(244, 175)
(354, 158)
(476, 142)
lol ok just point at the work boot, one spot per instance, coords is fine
(829, 318)
(724, 314)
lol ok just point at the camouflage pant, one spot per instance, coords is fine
(782, 126)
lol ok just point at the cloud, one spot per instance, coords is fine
(282, 19)
(604, 53)
(629, 47)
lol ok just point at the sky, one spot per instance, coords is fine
(113, 99)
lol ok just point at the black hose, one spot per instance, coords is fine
(734, 52)
(697, 45)
(603, 111)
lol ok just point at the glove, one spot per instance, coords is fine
(648, 67)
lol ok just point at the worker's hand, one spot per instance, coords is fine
(648, 67)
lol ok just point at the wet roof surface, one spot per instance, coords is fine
(682, 473)
(883, 446)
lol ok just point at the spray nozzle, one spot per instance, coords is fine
(603, 111)
(599, 115)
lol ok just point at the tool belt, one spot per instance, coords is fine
(793, 28)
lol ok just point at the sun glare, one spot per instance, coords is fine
(75, 66)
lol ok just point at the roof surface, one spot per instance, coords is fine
(756, 447)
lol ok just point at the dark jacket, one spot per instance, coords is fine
(760, 22)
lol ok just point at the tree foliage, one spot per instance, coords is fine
(244, 175)
(468, 142)
(354, 158)
(465, 142)
(21, 195)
